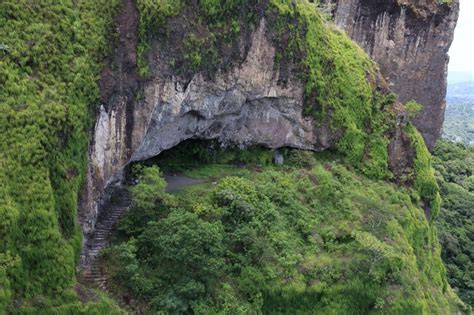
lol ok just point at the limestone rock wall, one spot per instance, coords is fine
(410, 41)
(245, 105)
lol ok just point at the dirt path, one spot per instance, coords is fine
(177, 181)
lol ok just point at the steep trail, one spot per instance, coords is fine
(92, 273)
(91, 266)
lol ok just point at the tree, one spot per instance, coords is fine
(150, 188)
(186, 256)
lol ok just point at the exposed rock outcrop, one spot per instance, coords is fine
(111, 144)
(245, 105)
(410, 41)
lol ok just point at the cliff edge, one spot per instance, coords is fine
(276, 75)
(410, 42)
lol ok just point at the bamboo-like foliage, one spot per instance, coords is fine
(49, 67)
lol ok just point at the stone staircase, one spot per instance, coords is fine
(91, 266)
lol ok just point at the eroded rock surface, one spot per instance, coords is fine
(248, 104)
(410, 41)
(245, 105)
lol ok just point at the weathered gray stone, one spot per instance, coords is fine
(410, 41)
(244, 106)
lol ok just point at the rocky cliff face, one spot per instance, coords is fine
(247, 104)
(410, 41)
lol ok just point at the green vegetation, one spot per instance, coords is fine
(153, 15)
(413, 109)
(454, 166)
(315, 235)
(424, 177)
(339, 83)
(207, 37)
(459, 117)
(314, 239)
(48, 83)
(459, 123)
(192, 156)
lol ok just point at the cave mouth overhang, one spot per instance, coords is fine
(272, 122)
(194, 153)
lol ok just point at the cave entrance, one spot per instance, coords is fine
(209, 158)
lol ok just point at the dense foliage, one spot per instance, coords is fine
(459, 123)
(316, 239)
(49, 67)
(454, 166)
(425, 181)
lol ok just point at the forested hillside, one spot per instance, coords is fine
(459, 118)
(312, 237)
(349, 229)
(454, 166)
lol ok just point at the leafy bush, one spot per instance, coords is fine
(413, 109)
(300, 159)
(185, 254)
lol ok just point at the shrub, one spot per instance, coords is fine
(150, 188)
(425, 181)
(186, 254)
(413, 109)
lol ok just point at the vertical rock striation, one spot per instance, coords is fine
(112, 137)
(410, 41)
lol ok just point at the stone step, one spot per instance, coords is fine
(98, 277)
(100, 239)
(92, 268)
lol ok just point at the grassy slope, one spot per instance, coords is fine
(49, 68)
(302, 239)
